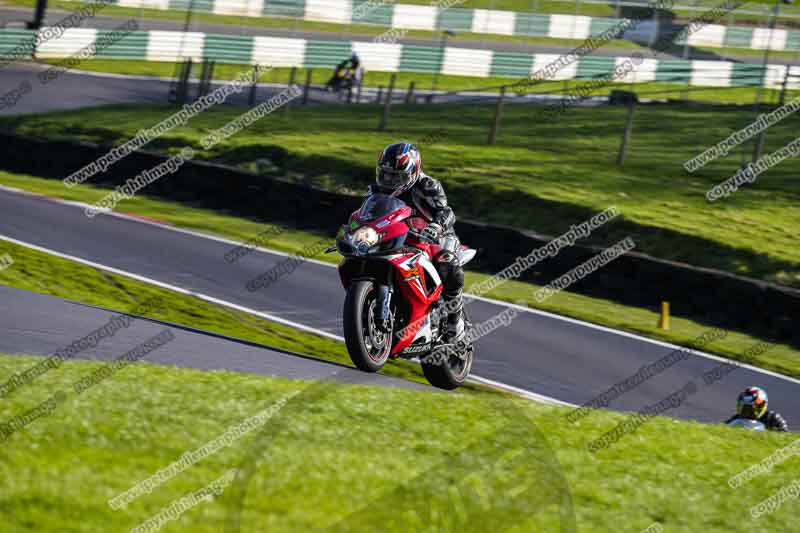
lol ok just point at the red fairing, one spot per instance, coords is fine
(388, 227)
(410, 277)
(392, 230)
(409, 267)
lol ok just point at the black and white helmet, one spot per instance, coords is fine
(399, 168)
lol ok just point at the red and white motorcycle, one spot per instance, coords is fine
(393, 307)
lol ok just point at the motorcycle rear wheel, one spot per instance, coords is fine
(452, 372)
(368, 348)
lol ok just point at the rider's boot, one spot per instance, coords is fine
(455, 331)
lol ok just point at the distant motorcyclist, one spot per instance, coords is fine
(752, 405)
(399, 173)
(346, 74)
(355, 69)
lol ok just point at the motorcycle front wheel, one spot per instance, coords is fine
(369, 348)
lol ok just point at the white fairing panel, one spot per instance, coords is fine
(426, 263)
(424, 333)
(465, 256)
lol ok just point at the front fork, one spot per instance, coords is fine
(383, 298)
(383, 304)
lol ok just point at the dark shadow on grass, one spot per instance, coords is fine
(282, 164)
(484, 202)
(491, 480)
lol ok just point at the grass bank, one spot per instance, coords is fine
(541, 176)
(357, 458)
(46, 274)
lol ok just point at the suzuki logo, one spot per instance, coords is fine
(412, 274)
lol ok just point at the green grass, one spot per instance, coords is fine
(541, 176)
(360, 458)
(525, 6)
(46, 274)
(781, 358)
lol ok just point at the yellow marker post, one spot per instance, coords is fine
(663, 322)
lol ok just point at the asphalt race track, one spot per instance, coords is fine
(560, 358)
(36, 324)
(77, 89)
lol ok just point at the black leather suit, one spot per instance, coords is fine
(429, 201)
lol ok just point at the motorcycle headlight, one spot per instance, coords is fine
(365, 238)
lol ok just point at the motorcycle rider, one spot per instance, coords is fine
(399, 173)
(752, 405)
(347, 73)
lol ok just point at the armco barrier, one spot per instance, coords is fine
(483, 21)
(387, 57)
(707, 296)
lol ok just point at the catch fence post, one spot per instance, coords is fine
(292, 76)
(410, 93)
(784, 85)
(211, 73)
(387, 103)
(307, 86)
(253, 86)
(206, 78)
(183, 87)
(498, 111)
(626, 136)
(201, 85)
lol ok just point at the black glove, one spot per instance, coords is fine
(431, 232)
(774, 421)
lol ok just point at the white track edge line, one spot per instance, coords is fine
(475, 379)
(480, 298)
(175, 288)
(529, 395)
(135, 218)
(641, 338)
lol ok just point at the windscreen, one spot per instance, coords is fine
(378, 205)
